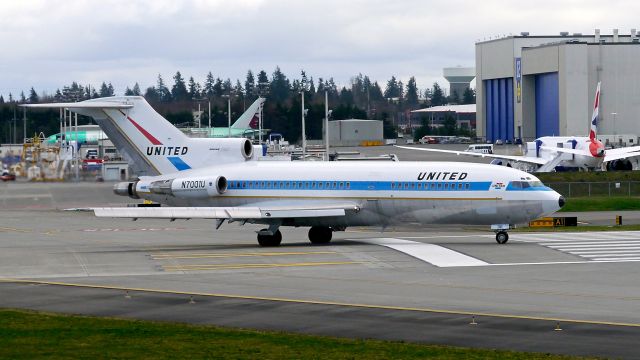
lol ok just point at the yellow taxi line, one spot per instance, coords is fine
(251, 266)
(321, 302)
(227, 255)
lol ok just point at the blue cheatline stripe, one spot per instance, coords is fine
(178, 163)
(359, 185)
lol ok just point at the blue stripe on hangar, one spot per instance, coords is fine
(499, 109)
(547, 105)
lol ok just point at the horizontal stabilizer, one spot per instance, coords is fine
(83, 105)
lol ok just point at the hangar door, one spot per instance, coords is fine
(547, 105)
(499, 109)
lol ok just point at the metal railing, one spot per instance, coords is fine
(585, 189)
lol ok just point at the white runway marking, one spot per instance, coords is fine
(433, 254)
(606, 246)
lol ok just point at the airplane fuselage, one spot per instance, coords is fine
(384, 194)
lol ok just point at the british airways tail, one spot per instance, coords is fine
(151, 143)
(593, 132)
(249, 119)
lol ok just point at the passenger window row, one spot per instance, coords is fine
(300, 185)
(342, 185)
(430, 186)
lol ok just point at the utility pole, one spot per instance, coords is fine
(304, 138)
(326, 121)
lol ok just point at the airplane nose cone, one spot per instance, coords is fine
(561, 201)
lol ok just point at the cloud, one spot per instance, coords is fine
(51, 43)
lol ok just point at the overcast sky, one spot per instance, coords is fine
(47, 43)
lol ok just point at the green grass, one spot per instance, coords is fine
(601, 204)
(582, 228)
(28, 335)
(591, 176)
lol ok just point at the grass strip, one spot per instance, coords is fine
(28, 335)
(601, 203)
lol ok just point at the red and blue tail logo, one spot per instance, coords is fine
(159, 149)
(594, 117)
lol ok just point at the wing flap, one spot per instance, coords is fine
(236, 213)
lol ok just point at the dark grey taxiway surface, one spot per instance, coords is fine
(354, 287)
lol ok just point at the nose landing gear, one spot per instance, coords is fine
(502, 237)
(501, 232)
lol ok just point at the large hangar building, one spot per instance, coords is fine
(533, 86)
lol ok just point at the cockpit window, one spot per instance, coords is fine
(525, 184)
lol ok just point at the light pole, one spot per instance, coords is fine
(228, 96)
(263, 89)
(304, 138)
(326, 121)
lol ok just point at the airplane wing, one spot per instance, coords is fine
(621, 153)
(231, 213)
(525, 159)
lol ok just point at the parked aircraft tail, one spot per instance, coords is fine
(594, 117)
(249, 119)
(152, 144)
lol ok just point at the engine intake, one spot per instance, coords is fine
(126, 189)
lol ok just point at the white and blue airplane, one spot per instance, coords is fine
(220, 179)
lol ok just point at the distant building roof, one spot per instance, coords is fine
(461, 109)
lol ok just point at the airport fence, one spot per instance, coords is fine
(583, 189)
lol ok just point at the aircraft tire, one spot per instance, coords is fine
(502, 237)
(270, 240)
(320, 235)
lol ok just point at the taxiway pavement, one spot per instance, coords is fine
(407, 284)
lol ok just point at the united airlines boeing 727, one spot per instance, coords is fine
(220, 179)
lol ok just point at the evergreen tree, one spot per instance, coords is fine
(312, 87)
(179, 88)
(128, 92)
(33, 96)
(227, 87)
(163, 93)
(250, 85)
(392, 90)
(263, 83)
(454, 98)
(10, 98)
(136, 90)
(411, 95)
(58, 96)
(104, 90)
(469, 96)
(280, 85)
(152, 95)
(23, 99)
(437, 96)
(193, 89)
(217, 87)
(1, 99)
(208, 85)
(111, 90)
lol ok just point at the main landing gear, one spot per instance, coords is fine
(270, 237)
(273, 237)
(320, 235)
(501, 232)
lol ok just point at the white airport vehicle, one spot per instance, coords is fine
(217, 179)
(550, 152)
(481, 148)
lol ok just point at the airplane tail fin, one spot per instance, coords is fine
(594, 117)
(152, 144)
(249, 119)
